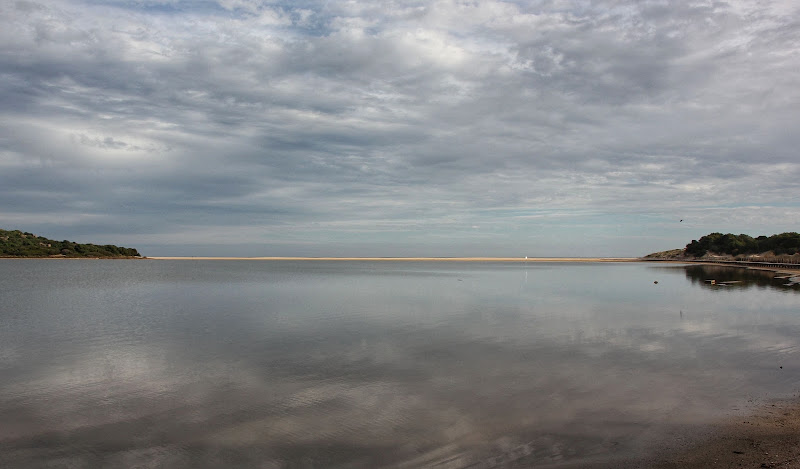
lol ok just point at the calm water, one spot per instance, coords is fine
(377, 364)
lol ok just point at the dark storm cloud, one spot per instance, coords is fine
(441, 118)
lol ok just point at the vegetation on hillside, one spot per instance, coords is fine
(22, 244)
(779, 248)
(734, 245)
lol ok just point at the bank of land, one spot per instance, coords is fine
(16, 243)
(778, 248)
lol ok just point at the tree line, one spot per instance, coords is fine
(17, 243)
(742, 244)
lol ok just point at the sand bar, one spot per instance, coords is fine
(437, 259)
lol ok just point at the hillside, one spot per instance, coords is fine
(22, 244)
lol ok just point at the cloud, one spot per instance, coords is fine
(426, 118)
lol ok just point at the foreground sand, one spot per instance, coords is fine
(768, 438)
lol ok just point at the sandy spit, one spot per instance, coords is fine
(437, 259)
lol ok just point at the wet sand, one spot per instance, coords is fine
(767, 438)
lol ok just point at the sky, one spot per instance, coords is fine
(399, 128)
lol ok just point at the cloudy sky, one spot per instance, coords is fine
(360, 127)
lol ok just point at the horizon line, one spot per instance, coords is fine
(410, 258)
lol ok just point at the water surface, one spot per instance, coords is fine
(377, 364)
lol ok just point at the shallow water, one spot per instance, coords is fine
(377, 364)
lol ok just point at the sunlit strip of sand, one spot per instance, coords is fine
(438, 259)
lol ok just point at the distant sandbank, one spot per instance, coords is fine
(453, 259)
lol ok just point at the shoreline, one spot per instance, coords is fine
(68, 258)
(795, 271)
(792, 271)
(400, 259)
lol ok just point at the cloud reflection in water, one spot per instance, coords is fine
(375, 364)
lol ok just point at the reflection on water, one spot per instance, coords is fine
(714, 276)
(365, 364)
